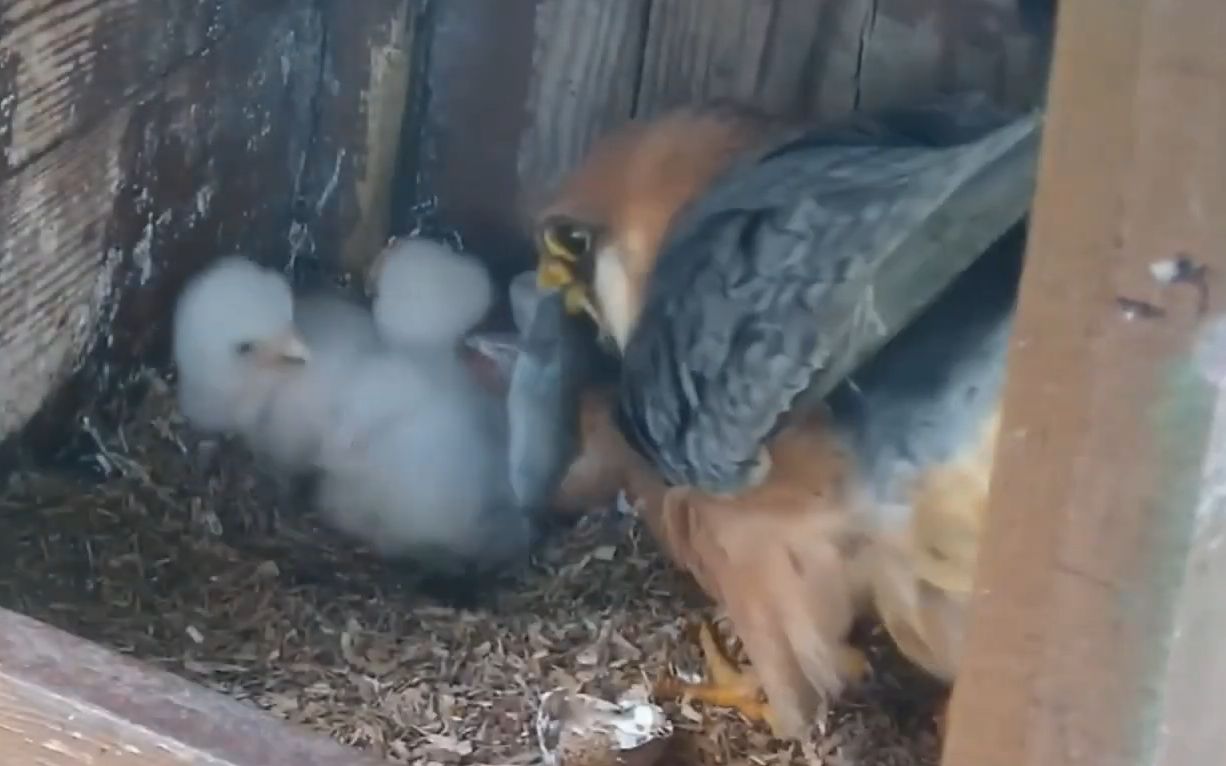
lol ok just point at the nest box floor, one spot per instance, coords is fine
(201, 573)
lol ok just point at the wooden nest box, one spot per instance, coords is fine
(139, 139)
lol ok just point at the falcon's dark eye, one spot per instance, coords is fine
(244, 348)
(576, 240)
(567, 239)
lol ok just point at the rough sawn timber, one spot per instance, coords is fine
(67, 702)
(517, 92)
(1095, 632)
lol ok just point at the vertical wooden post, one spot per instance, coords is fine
(1087, 642)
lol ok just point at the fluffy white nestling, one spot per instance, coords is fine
(235, 344)
(338, 333)
(425, 293)
(416, 464)
(257, 362)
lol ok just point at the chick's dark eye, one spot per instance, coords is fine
(244, 348)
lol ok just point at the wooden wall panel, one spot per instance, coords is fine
(144, 137)
(470, 123)
(193, 162)
(822, 59)
(65, 65)
(280, 123)
(343, 197)
(769, 52)
(517, 91)
(584, 80)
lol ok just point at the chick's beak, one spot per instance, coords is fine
(286, 348)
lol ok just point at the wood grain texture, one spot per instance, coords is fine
(65, 65)
(99, 230)
(1100, 505)
(585, 65)
(466, 142)
(343, 197)
(824, 58)
(768, 52)
(518, 92)
(67, 702)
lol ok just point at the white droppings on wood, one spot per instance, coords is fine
(142, 253)
(204, 201)
(333, 180)
(300, 242)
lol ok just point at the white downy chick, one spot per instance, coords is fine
(235, 344)
(426, 294)
(416, 465)
(417, 468)
(337, 332)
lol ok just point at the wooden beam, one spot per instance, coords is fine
(1088, 629)
(65, 701)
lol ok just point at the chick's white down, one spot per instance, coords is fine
(416, 463)
(278, 406)
(230, 306)
(338, 332)
(417, 467)
(426, 293)
(410, 451)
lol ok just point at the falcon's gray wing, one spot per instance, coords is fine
(793, 269)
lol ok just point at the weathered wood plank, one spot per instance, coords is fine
(1099, 508)
(584, 70)
(65, 701)
(823, 59)
(66, 64)
(767, 52)
(343, 200)
(915, 46)
(470, 128)
(517, 93)
(99, 231)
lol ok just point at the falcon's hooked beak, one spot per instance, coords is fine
(565, 254)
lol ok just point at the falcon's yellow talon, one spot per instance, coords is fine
(721, 669)
(853, 664)
(727, 686)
